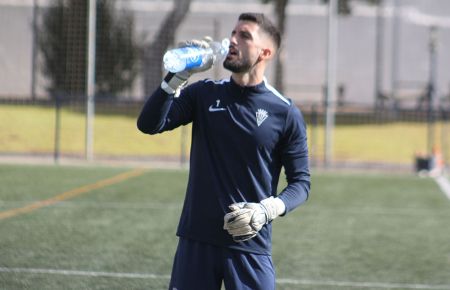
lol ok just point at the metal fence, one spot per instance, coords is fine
(45, 62)
(363, 136)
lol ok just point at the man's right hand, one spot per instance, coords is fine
(173, 82)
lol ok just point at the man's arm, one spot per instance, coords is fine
(153, 115)
(164, 110)
(295, 160)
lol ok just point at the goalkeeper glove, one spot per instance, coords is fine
(173, 82)
(246, 219)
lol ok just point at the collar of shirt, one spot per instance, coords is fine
(248, 90)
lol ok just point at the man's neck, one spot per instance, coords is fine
(247, 79)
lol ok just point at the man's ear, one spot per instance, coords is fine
(266, 53)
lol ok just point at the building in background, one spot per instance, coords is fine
(304, 47)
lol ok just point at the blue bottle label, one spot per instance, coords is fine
(193, 56)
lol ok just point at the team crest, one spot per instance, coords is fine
(261, 116)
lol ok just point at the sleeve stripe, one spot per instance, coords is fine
(275, 92)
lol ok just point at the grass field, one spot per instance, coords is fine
(33, 131)
(100, 229)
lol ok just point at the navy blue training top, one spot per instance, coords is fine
(241, 137)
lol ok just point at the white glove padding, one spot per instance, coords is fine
(173, 83)
(246, 219)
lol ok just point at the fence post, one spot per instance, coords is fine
(444, 136)
(34, 48)
(314, 126)
(432, 89)
(331, 81)
(183, 144)
(57, 147)
(395, 43)
(90, 80)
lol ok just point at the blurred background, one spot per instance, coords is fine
(371, 77)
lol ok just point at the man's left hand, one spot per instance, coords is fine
(246, 219)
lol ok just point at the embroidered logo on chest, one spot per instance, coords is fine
(261, 116)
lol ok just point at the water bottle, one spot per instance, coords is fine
(185, 58)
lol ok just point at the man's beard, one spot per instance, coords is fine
(237, 66)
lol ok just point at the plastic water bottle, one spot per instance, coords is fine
(185, 58)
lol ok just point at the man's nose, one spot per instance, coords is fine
(233, 40)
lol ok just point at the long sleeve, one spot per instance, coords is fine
(154, 113)
(294, 157)
(162, 112)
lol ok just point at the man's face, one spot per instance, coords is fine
(245, 47)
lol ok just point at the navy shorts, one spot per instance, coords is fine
(201, 266)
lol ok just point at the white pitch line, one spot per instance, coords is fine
(282, 281)
(444, 184)
(360, 285)
(83, 273)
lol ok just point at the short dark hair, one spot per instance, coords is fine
(265, 24)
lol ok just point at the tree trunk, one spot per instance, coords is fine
(153, 53)
(280, 10)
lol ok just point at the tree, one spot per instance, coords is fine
(344, 6)
(153, 53)
(63, 44)
(280, 11)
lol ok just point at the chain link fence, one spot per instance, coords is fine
(44, 64)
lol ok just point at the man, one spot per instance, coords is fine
(243, 132)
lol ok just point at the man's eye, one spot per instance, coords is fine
(246, 36)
